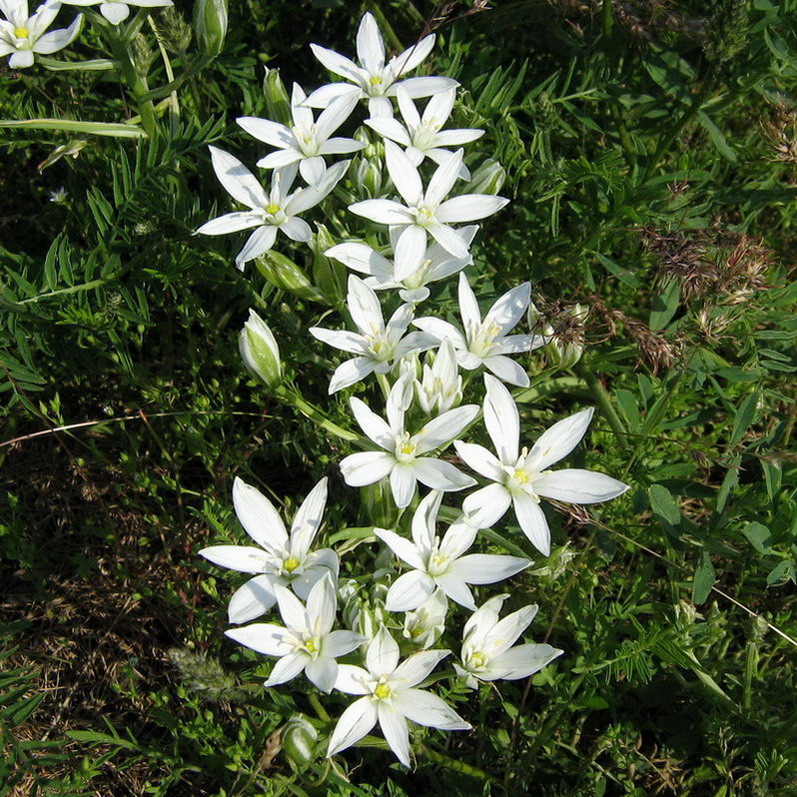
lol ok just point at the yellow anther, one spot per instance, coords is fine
(478, 659)
(376, 80)
(291, 564)
(521, 475)
(407, 448)
(21, 33)
(310, 646)
(382, 691)
(273, 208)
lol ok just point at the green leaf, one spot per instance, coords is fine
(628, 406)
(663, 505)
(665, 305)
(72, 126)
(758, 535)
(781, 573)
(745, 413)
(717, 139)
(704, 578)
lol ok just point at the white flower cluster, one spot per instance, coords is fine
(415, 238)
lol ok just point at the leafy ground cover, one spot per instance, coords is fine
(650, 152)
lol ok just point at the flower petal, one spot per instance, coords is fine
(532, 520)
(559, 440)
(382, 654)
(444, 428)
(428, 709)
(441, 475)
(507, 370)
(522, 661)
(239, 182)
(417, 87)
(403, 548)
(353, 724)
(352, 680)
(409, 591)
(257, 515)
(258, 243)
(577, 486)
(447, 238)
(366, 467)
(394, 727)
(485, 568)
(265, 638)
(487, 506)
(469, 207)
(337, 64)
(382, 211)
(418, 667)
(373, 426)
(404, 175)
(292, 610)
(403, 483)
(510, 307)
(412, 56)
(322, 606)
(424, 521)
(341, 642)
(458, 539)
(502, 420)
(484, 462)
(252, 599)
(443, 180)
(231, 222)
(350, 372)
(272, 133)
(242, 558)
(456, 589)
(287, 668)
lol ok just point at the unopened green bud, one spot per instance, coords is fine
(328, 275)
(727, 30)
(284, 274)
(210, 24)
(545, 113)
(564, 347)
(278, 103)
(260, 351)
(299, 739)
(489, 178)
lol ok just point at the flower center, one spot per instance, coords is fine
(311, 645)
(291, 564)
(438, 564)
(405, 448)
(383, 691)
(483, 339)
(376, 80)
(521, 476)
(418, 278)
(380, 347)
(477, 660)
(272, 208)
(424, 216)
(21, 33)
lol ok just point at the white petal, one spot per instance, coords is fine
(559, 440)
(291, 609)
(443, 180)
(322, 672)
(312, 169)
(382, 654)
(325, 95)
(379, 106)
(251, 600)
(238, 557)
(341, 642)
(56, 40)
(22, 59)
(266, 638)
(308, 519)
(410, 252)
(272, 133)
(532, 520)
(456, 589)
(382, 211)
(239, 182)
(340, 146)
(424, 522)
(484, 462)
(411, 57)
(458, 539)
(439, 107)
(390, 128)
(287, 668)
(317, 564)
(517, 344)
(353, 724)
(407, 107)
(441, 475)
(334, 116)
(523, 660)
(394, 727)
(362, 258)
(366, 467)
(341, 339)
(115, 13)
(403, 483)
(370, 47)
(507, 370)
(468, 306)
(456, 138)
(444, 428)
(502, 420)
(487, 506)
(484, 568)
(510, 307)
(364, 306)
(504, 633)
(418, 667)
(577, 486)
(417, 87)
(351, 372)
(447, 238)
(297, 230)
(403, 548)
(428, 709)
(404, 175)
(470, 207)
(322, 605)
(442, 330)
(374, 426)
(409, 591)
(258, 243)
(337, 64)
(257, 515)
(351, 680)
(231, 222)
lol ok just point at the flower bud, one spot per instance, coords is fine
(425, 625)
(564, 348)
(489, 178)
(299, 739)
(369, 178)
(328, 275)
(210, 25)
(440, 387)
(284, 274)
(278, 102)
(259, 350)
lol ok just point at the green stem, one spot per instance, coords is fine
(455, 765)
(317, 707)
(136, 83)
(384, 384)
(607, 18)
(604, 402)
(293, 397)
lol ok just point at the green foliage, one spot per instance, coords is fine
(650, 154)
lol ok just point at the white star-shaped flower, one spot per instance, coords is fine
(487, 652)
(401, 458)
(522, 479)
(391, 697)
(378, 345)
(410, 271)
(427, 211)
(307, 643)
(277, 210)
(440, 563)
(372, 78)
(281, 559)
(423, 136)
(308, 140)
(487, 342)
(22, 35)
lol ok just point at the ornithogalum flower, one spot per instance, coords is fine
(423, 136)
(390, 697)
(410, 271)
(307, 642)
(378, 345)
(522, 479)
(277, 210)
(117, 11)
(259, 350)
(487, 342)
(440, 386)
(281, 559)
(401, 458)
(426, 211)
(308, 140)
(424, 625)
(487, 652)
(372, 78)
(22, 36)
(440, 563)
